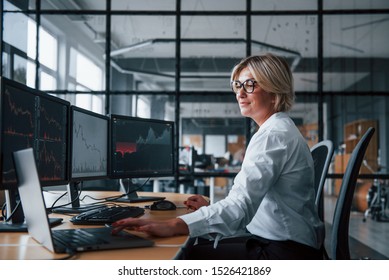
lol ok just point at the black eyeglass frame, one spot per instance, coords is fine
(243, 85)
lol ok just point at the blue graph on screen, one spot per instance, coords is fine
(153, 139)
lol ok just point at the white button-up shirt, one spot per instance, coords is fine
(273, 195)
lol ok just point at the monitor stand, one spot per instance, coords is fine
(130, 195)
(17, 223)
(74, 206)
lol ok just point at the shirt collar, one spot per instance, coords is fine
(270, 121)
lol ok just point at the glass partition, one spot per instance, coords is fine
(274, 5)
(213, 5)
(73, 4)
(144, 5)
(340, 67)
(294, 37)
(155, 106)
(145, 58)
(209, 53)
(356, 5)
(355, 53)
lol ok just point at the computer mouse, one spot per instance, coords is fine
(163, 205)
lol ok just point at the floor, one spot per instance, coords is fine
(368, 240)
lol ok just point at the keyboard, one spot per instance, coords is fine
(75, 238)
(106, 215)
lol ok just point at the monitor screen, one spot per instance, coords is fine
(31, 118)
(141, 148)
(89, 152)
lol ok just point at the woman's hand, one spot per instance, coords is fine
(163, 228)
(195, 202)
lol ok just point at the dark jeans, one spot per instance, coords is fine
(252, 248)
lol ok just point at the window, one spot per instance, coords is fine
(87, 76)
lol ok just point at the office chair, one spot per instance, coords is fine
(340, 224)
(322, 153)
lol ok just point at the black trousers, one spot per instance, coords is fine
(252, 248)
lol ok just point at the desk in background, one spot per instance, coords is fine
(211, 177)
(20, 246)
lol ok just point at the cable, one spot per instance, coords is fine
(3, 213)
(99, 200)
(79, 191)
(12, 212)
(66, 204)
(61, 196)
(86, 207)
(71, 254)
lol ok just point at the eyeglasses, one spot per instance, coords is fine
(248, 86)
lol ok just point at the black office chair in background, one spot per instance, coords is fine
(322, 153)
(340, 226)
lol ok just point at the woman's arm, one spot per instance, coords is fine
(163, 228)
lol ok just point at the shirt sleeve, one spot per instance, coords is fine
(263, 164)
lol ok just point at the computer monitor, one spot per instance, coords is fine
(88, 153)
(141, 148)
(31, 119)
(89, 145)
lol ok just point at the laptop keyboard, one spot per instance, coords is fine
(107, 215)
(74, 238)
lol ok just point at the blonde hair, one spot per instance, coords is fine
(273, 75)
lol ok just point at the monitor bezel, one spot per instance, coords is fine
(100, 116)
(137, 174)
(4, 82)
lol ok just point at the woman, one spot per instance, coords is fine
(272, 201)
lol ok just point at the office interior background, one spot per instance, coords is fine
(171, 60)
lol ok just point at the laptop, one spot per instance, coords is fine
(61, 240)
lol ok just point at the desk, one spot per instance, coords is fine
(14, 246)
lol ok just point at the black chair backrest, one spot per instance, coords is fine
(340, 225)
(322, 154)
